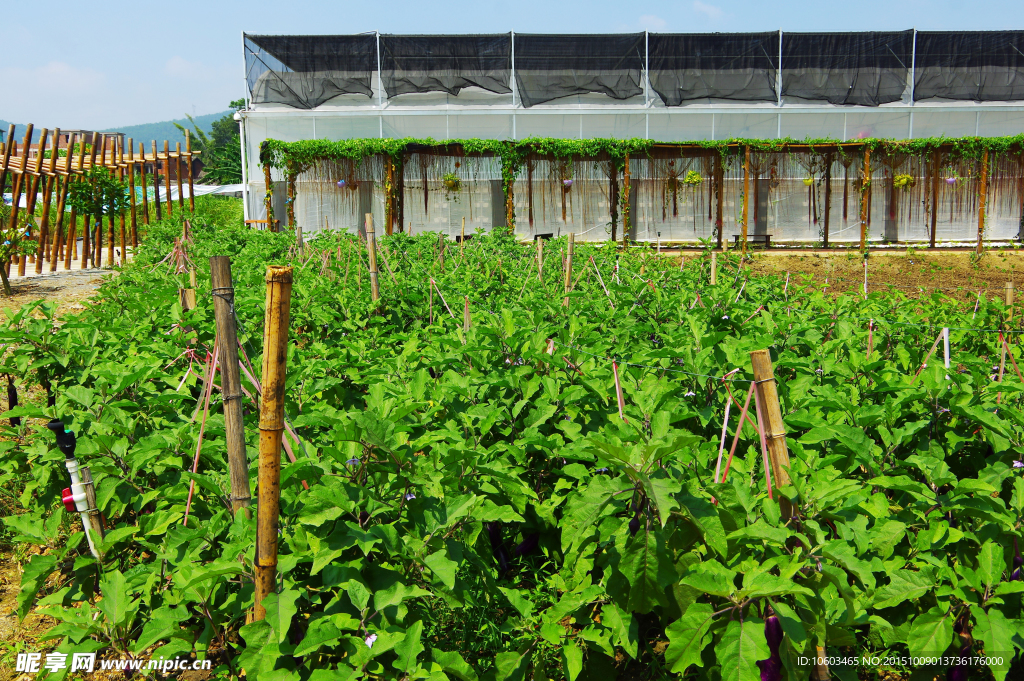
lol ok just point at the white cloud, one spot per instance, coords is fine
(710, 11)
(649, 22)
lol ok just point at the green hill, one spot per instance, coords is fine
(145, 132)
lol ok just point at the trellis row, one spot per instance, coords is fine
(53, 175)
(969, 162)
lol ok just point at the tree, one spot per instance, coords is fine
(221, 148)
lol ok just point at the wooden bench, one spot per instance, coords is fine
(766, 239)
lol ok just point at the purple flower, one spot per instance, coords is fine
(341, 184)
(690, 394)
(352, 462)
(950, 180)
(567, 183)
(410, 496)
(725, 316)
(7, 243)
(370, 640)
(1018, 464)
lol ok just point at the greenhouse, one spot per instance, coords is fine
(904, 136)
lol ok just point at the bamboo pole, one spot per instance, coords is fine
(746, 198)
(133, 212)
(19, 187)
(371, 249)
(168, 202)
(188, 150)
(120, 213)
(275, 355)
(719, 178)
(227, 336)
(982, 198)
(177, 173)
(626, 207)
(156, 181)
(466, 319)
(42, 252)
(714, 267)
(268, 198)
(540, 259)
(775, 429)
(865, 199)
(63, 184)
(110, 208)
(8, 148)
(1009, 302)
(145, 186)
(568, 267)
(828, 196)
(936, 164)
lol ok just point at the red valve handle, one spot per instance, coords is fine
(69, 500)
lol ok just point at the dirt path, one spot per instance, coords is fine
(69, 289)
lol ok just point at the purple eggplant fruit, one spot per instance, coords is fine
(12, 400)
(634, 524)
(771, 669)
(960, 671)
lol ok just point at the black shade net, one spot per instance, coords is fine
(980, 66)
(306, 71)
(434, 63)
(553, 66)
(847, 68)
(688, 66)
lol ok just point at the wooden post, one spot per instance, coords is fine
(145, 185)
(275, 355)
(627, 209)
(188, 150)
(982, 197)
(59, 239)
(110, 209)
(719, 179)
(568, 267)
(775, 429)
(168, 202)
(120, 213)
(936, 164)
(466, 320)
(462, 242)
(268, 198)
(38, 179)
(8, 148)
(156, 181)
(865, 199)
(371, 249)
(828, 196)
(746, 199)
(1009, 302)
(89, 487)
(44, 225)
(19, 186)
(540, 260)
(133, 224)
(714, 267)
(440, 243)
(227, 337)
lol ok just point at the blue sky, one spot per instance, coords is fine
(120, 63)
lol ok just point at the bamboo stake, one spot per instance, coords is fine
(120, 214)
(268, 198)
(58, 230)
(774, 427)
(746, 201)
(19, 186)
(188, 150)
(168, 202)
(865, 199)
(275, 355)
(133, 213)
(982, 199)
(466, 320)
(44, 227)
(177, 172)
(8, 148)
(156, 180)
(714, 268)
(95, 522)
(568, 267)
(462, 242)
(227, 334)
(110, 210)
(1009, 302)
(540, 260)
(145, 185)
(371, 249)
(935, 198)
(618, 392)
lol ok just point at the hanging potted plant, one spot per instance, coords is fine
(452, 185)
(692, 178)
(903, 181)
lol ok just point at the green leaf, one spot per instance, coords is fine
(930, 633)
(115, 601)
(990, 563)
(510, 666)
(997, 633)
(572, 661)
(34, 575)
(704, 516)
(687, 637)
(409, 648)
(518, 601)
(583, 509)
(645, 568)
(452, 663)
(443, 566)
(740, 648)
(281, 608)
(395, 594)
